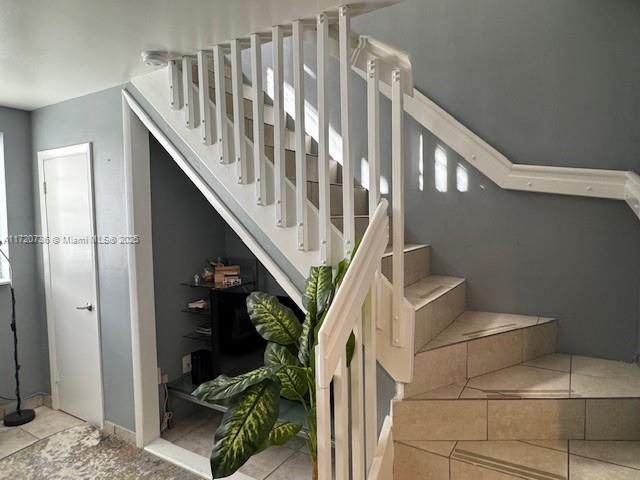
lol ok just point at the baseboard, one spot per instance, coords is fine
(121, 433)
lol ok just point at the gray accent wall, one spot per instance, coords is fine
(97, 118)
(546, 83)
(32, 328)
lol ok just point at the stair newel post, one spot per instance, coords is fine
(258, 120)
(187, 87)
(279, 175)
(324, 198)
(238, 112)
(348, 169)
(397, 207)
(221, 103)
(203, 94)
(300, 136)
(175, 87)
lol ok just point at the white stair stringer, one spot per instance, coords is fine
(153, 87)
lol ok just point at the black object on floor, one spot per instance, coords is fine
(19, 417)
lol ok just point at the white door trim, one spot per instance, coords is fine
(82, 148)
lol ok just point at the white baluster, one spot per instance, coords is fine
(279, 175)
(323, 416)
(238, 112)
(324, 210)
(203, 91)
(357, 405)
(341, 418)
(175, 86)
(187, 88)
(258, 120)
(301, 151)
(370, 374)
(221, 103)
(373, 128)
(397, 207)
(348, 168)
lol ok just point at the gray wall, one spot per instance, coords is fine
(186, 232)
(549, 83)
(32, 329)
(97, 118)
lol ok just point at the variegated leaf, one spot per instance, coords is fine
(275, 322)
(318, 290)
(307, 340)
(290, 373)
(245, 427)
(281, 433)
(223, 387)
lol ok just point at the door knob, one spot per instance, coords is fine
(88, 307)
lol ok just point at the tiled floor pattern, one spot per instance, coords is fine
(289, 462)
(507, 460)
(58, 446)
(553, 376)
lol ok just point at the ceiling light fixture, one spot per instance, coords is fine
(155, 58)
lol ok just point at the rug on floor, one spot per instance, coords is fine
(83, 453)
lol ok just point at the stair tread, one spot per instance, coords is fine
(472, 325)
(555, 376)
(408, 247)
(539, 459)
(430, 288)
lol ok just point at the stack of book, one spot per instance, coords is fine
(227, 276)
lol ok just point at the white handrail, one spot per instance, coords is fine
(350, 312)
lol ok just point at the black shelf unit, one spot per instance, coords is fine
(221, 300)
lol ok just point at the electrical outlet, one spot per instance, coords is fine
(186, 363)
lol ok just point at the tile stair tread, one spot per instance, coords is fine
(472, 325)
(547, 378)
(536, 460)
(408, 247)
(430, 288)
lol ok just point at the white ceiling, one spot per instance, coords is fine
(53, 50)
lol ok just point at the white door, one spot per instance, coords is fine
(71, 281)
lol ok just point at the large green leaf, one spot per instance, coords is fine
(223, 387)
(318, 290)
(245, 427)
(281, 433)
(275, 322)
(289, 371)
(307, 340)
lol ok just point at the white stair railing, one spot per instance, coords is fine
(366, 304)
(351, 312)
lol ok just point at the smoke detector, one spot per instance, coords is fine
(155, 58)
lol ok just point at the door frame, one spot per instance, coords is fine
(82, 148)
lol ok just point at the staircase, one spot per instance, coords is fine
(491, 399)
(479, 395)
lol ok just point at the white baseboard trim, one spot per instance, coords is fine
(121, 433)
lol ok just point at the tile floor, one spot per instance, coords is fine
(553, 376)
(289, 462)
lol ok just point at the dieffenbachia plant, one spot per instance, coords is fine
(251, 422)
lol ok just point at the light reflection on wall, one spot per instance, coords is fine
(441, 173)
(462, 179)
(421, 164)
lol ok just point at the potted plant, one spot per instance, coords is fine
(251, 422)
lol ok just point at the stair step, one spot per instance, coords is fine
(360, 198)
(477, 343)
(438, 301)
(416, 263)
(335, 169)
(554, 397)
(504, 460)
